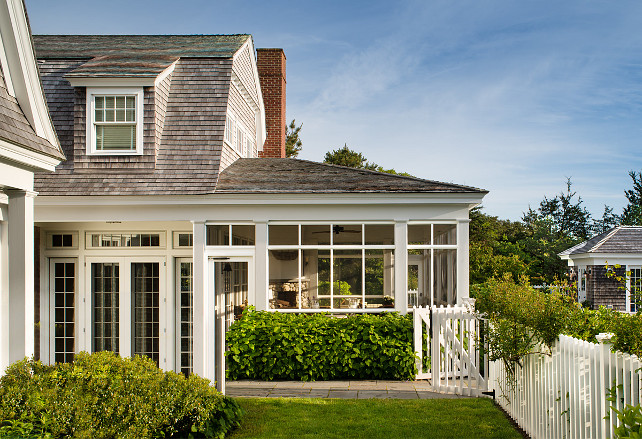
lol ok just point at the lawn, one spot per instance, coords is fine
(372, 419)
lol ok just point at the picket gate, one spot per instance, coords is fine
(453, 352)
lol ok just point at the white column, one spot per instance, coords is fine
(401, 266)
(462, 261)
(4, 290)
(199, 279)
(261, 266)
(20, 310)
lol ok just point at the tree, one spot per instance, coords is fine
(632, 214)
(293, 143)
(353, 159)
(608, 221)
(567, 216)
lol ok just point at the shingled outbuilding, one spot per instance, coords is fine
(176, 207)
(618, 250)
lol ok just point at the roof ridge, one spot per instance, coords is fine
(423, 180)
(603, 240)
(142, 35)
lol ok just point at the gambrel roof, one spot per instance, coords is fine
(621, 239)
(133, 55)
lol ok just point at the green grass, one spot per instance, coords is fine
(372, 419)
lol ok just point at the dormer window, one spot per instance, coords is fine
(114, 122)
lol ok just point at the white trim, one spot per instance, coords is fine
(49, 240)
(90, 114)
(23, 72)
(22, 155)
(165, 73)
(148, 81)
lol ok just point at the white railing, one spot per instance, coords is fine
(454, 361)
(564, 395)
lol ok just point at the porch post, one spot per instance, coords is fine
(260, 266)
(462, 261)
(19, 312)
(401, 266)
(199, 299)
(4, 288)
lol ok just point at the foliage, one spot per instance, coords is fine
(353, 159)
(629, 417)
(272, 346)
(632, 214)
(106, 396)
(293, 143)
(339, 287)
(525, 317)
(286, 418)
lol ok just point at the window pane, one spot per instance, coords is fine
(347, 280)
(445, 234)
(110, 115)
(105, 297)
(315, 234)
(146, 312)
(347, 234)
(445, 277)
(120, 102)
(110, 102)
(131, 102)
(63, 311)
(100, 116)
(242, 235)
(218, 234)
(419, 234)
(131, 116)
(100, 102)
(120, 115)
(284, 278)
(380, 234)
(284, 235)
(380, 280)
(116, 137)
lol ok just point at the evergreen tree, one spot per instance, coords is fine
(293, 143)
(353, 159)
(632, 214)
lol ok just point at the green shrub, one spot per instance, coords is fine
(282, 346)
(105, 396)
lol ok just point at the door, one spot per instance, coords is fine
(416, 282)
(126, 297)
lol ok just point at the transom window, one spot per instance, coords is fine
(115, 125)
(107, 239)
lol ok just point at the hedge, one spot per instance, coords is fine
(281, 346)
(105, 396)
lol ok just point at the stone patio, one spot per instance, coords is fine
(335, 389)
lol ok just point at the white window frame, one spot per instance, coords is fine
(92, 92)
(629, 288)
(230, 129)
(240, 139)
(74, 240)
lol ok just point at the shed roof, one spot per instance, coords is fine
(620, 239)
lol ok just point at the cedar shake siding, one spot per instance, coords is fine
(604, 291)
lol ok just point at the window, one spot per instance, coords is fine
(635, 298)
(115, 121)
(240, 140)
(249, 149)
(330, 266)
(67, 240)
(219, 234)
(63, 275)
(146, 291)
(183, 239)
(230, 125)
(185, 331)
(104, 288)
(106, 239)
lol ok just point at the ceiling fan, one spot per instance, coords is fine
(336, 229)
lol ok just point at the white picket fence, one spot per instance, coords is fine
(557, 394)
(564, 395)
(455, 363)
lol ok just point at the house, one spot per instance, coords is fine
(28, 143)
(590, 260)
(176, 208)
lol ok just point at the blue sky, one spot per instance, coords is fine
(509, 96)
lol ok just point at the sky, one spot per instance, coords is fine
(510, 96)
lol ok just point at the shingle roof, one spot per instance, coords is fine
(621, 239)
(15, 128)
(280, 175)
(133, 55)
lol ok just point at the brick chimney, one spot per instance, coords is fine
(270, 64)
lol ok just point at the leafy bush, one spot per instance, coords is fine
(105, 396)
(272, 346)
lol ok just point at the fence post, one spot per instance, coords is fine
(418, 330)
(605, 382)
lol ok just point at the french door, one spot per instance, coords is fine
(125, 301)
(62, 310)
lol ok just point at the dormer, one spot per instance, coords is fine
(160, 105)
